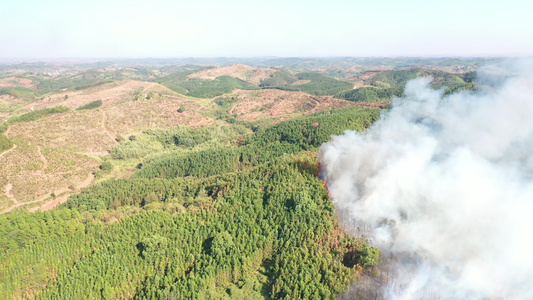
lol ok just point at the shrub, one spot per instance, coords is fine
(5, 143)
(106, 166)
(90, 105)
(37, 114)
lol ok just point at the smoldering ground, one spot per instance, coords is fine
(444, 186)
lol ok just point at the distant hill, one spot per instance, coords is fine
(279, 104)
(109, 93)
(381, 86)
(17, 82)
(240, 71)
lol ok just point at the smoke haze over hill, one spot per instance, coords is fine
(447, 183)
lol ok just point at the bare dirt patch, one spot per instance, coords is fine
(46, 202)
(239, 71)
(298, 82)
(364, 76)
(64, 194)
(368, 75)
(46, 157)
(7, 192)
(30, 173)
(8, 100)
(14, 82)
(94, 131)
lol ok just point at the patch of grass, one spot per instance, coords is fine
(37, 114)
(5, 202)
(5, 143)
(91, 85)
(90, 105)
(136, 147)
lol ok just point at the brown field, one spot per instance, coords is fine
(273, 103)
(30, 173)
(94, 131)
(239, 71)
(14, 82)
(52, 154)
(111, 94)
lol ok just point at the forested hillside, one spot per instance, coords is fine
(385, 85)
(241, 221)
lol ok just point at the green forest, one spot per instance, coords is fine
(388, 84)
(203, 88)
(207, 220)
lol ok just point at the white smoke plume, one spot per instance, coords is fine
(447, 184)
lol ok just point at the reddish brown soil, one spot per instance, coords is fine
(14, 81)
(273, 103)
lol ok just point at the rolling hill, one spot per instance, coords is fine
(185, 183)
(240, 71)
(83, 138)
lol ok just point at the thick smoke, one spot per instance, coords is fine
(444, 186)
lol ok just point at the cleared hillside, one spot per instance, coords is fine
(52, 154)
(127, 107)
(16, 81)
(31, 173)
(110, 94)
(240, 71)
(279, 104)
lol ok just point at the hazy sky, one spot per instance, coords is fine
(208, 28)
